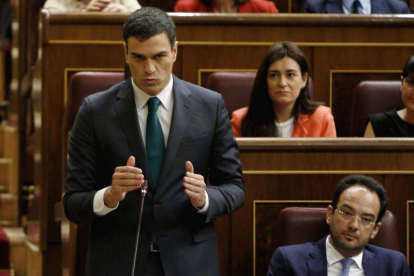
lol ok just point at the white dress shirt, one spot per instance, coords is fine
(164, 112)
(285, 129)
(365, 9)
(334, 258)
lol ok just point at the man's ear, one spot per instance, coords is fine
(376, 229)
(175, 50)
(126, 53)
(329, 214)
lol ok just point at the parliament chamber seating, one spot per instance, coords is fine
(81, 85)
(372, 97)
(297, 225)
(236, 87)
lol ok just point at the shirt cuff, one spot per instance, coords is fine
(99, 207)
(204, 210)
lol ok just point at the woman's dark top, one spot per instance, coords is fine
(389, 124)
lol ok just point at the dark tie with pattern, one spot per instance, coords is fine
(154, 141)
(356, 7)
(346, 264)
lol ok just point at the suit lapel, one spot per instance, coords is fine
(334, 6)
(371, 267)
(179, 121)
(317, 263)
(378, 7)
(127, 114)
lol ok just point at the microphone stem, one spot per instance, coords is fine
(143, 193)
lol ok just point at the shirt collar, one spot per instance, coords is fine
(333, 256)
(366, 5)
(165, 96)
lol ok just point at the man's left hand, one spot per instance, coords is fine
(194, 186)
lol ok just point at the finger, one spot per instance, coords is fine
(194, 176)
(128, 169)
(126, 182)
(189, 167)
(131, 161)
(127, 175)
(194, 189)
(194, 181)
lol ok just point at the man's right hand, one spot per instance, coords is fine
(126, 178)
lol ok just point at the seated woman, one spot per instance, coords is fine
(280, 104)
(226, 6)
(396, 123)
(110, 6)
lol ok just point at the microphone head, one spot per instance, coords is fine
(145, 185)
(144, 188)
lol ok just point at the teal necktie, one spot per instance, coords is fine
(154, 141)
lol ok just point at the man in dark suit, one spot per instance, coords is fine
(158, 128)
(356, 6)
(354, 218)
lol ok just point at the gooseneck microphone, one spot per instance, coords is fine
(144, 188)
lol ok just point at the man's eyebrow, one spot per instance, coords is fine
(347, 206)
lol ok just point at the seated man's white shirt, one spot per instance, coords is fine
(334, 258)
(164, 112)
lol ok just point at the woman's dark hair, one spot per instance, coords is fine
(409, 68)
(260, 118)
(237, 2)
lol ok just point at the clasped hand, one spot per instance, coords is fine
(125, 179)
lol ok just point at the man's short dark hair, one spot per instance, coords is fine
(147, 22)
(364, 181)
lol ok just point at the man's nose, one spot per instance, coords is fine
(354, 223)
(149, 67)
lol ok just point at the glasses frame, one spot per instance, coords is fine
(360, 219)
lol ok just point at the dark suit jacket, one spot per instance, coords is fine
(310, 259)
(335, 6)
(106, 133)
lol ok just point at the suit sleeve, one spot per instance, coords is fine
(278, 264)
(236, 124)
(226, 193)
(405, 270)
(328, 125)
(80, 186)
(404, 9)
(271, 8)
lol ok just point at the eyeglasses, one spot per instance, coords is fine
(346, 216)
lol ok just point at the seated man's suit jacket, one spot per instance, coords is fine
(310, 259)
(106, 132)
(377, 6)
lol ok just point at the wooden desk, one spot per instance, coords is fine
(304, 172)
(341, 50)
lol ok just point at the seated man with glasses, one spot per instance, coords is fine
(358, 205)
